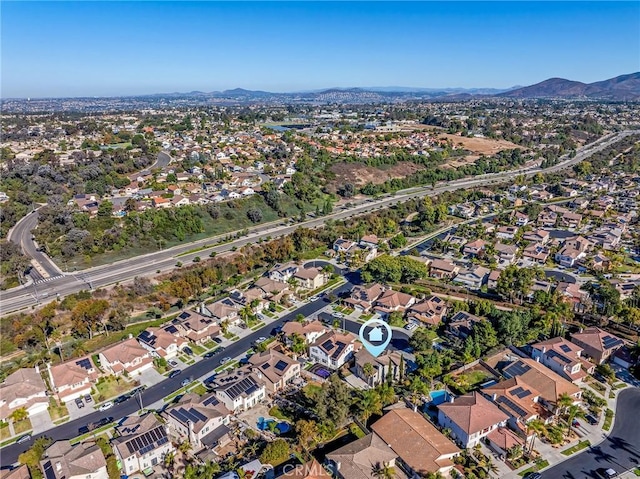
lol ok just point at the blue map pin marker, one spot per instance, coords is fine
(372, 335)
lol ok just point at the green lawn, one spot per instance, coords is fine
(91, 434)
(110, 387)
(230, 364)
(366, 316)
(539, 465)
(636, 471)
(608, 420)
(278, 414)
(257, 326)
(578, 447)
(102, 340)
(600, 388)
(199, 389)
(197, 349)
(617, 386)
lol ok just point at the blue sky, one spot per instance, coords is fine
(114, 48)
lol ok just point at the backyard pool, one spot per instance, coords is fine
(438, 397)
(320, 371)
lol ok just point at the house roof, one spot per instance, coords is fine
(538, 376)
(307, 273)
(198, 410)
(23, 383)
(394, 299)
(358, 458)
(21, 472)
(73, 372)
(415, 440)
(598, 339)
(64, 460)
(515, 397)
(504, 438)
(271, 364)
(238, 383)
(125, 352)
(443, 265)
(139, 434)
(334, 343)
(473, 413)
(294, 327)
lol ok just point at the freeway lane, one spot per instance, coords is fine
(126, 270)
(620, 451)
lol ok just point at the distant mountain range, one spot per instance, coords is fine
(621, 88)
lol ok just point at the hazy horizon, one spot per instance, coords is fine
(104, 49)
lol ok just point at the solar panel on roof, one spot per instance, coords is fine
(565, 348)
(266, 366)
(609, 342)
(518, 368)
(517, 391)
(198, 414)
(524, 394)
(211, 400)
(84, 363)
(511, 405)
(328, 345)
(281, 365)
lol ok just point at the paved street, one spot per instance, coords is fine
(620, 450)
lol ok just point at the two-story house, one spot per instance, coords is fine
(141, 443)
(470, 417)
(518, 400)
(23, 388)
(393, 301)
(162, 342)
(310, 278)
(562, 357)
(274, 369)
(197, 327)
(430, 311)
(597, 344)
(128, 356)
(333, 349)
(362, 298)
(239, 389)
(223, 310)
(475, 248)
(310, 331)
(82, 461)
(72, 379)
(283, 272)
(201, 420)
(389, 366)
(473, 278)
(443, 269)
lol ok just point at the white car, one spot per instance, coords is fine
(410, 326)
(105, 406)
(338, 315)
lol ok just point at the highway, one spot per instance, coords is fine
(204, 367)
(165, 260)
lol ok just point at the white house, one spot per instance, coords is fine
(202, 420)
(23, 388)
(239, 390)
(128, 356)
(333, 349)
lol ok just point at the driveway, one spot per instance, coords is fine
(150, 377)
(619, 451)
(41, 422)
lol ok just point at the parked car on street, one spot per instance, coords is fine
(174, 373)
(23, 439)
(225, 360)
(106, 406)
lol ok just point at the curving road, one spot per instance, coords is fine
(69, 430)
(122, 271)
(619, 451)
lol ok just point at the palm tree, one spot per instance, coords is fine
(298, 344)
(536, 426)
(370, 404)
(563, 402)
(169, 460)
(184, 447)
(574, 411)
(387, 394)
(368, 370)
(383, 471)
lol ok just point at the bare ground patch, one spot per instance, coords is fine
(360, 174)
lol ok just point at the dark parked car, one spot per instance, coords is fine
(79, 403)
(208, 355)
(174, 373)
(591, 419)
(187, 350)
(533, 475)
(88, 398)
(103, 422)
(217, 340)
(121, 399)
(84, 430)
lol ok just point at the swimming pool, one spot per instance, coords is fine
(439, 396)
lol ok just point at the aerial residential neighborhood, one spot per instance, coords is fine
(227, 254)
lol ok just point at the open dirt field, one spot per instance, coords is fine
(481, 146)
(360, 174)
